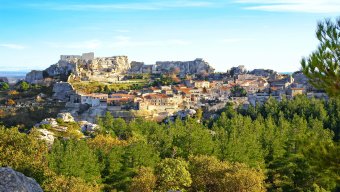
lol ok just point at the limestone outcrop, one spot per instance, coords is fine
(185, 67)
(62, 68)
(66, 117)
(263, 72)
(110, 69)
(47, 136)
(102, 68)
(88, 127)
(11, 180)
(62, 91)
(34, 77)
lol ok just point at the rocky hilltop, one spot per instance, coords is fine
(185, 67)
(86, 67)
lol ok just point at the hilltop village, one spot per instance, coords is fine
(91, 86)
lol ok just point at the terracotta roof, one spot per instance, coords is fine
(152, 96)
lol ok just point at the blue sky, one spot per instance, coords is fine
(271, 34)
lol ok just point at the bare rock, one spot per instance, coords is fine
(185, 67)
(66, 117)
(11, 180)
(88, 127)
(48, 121)
(34, 77)
(62, 91)
(47, 136)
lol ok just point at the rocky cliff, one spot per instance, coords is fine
(102, 69)
(185, 67)
(62, 91)
(11, 180)
(96, 69)
(34, 77)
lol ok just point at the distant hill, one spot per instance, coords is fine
(13, 76)
(286, 73)
(13, 73)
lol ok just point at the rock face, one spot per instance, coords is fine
(88, 127)
(11, 180)
(48, 121)
(66, 117)
(47, 136)
(62, 68)
(34, 77)
(85, 67)
(263, 72)
(62, 91)
(185, 67)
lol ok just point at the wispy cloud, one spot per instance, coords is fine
(90, 44)
(236, 40)
(12, 46)
(122, 31)
(308, 6)
(125, 41)
(116, 43)
(151, 5)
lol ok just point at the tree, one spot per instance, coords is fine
(210, 174)
(144, 181)
(238, 91)
(322, 67)
(74, 158)
(4, 86)
(60, 183)
(173, 174)
(24, 86)
(24, 153)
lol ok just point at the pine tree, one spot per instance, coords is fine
(322, 67)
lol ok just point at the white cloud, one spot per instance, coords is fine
(12, 46)
(151, 5)
(309, 6)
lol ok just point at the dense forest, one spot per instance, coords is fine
(280, 146)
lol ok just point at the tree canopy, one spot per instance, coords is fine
(322, 67)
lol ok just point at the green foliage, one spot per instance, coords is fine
(60, 183)
(98, 87)
(144, 181)
(24, 153)
(23, 86)
(4, 86)
(285, 146)
(173, 174)
(191, 138)
(238, 140)
(210, 174)
(322, 67)
(74, 158)
(238, 91)
(163, 80)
